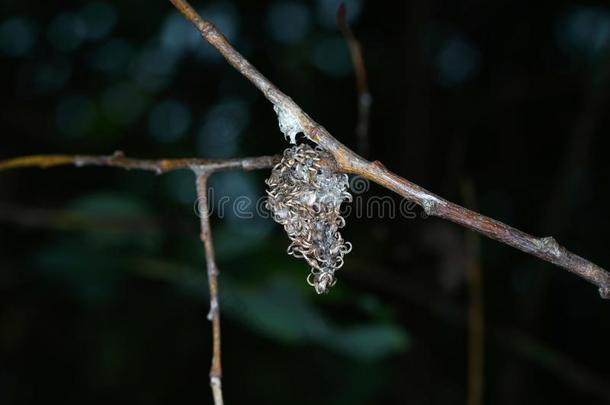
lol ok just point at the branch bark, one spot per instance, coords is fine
(348, 161)
(159, 166)
(214, 314)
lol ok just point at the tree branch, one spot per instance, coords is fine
(214, 314)
(160, 166)
(348, 161)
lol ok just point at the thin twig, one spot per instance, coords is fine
(364, 96)
(214, 314)
(159, 166)
(348, 161)
(476, 321)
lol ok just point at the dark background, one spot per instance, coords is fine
(102, 278)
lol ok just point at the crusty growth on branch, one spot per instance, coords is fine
(545, 248)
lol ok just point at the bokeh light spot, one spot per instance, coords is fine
(222, 127)
(51, 75)
(331, 56)
(75, 116)
(178, 34)
(67, 32)
(99, 18)
(288, 22)
(169, 120)
(457, 61)
(154, 67)
(123, 103)
(585, 32)
(17, 36)
(112, 57)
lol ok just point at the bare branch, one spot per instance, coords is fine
(214, 314)
(203, 168)
(159, 166)
(348, 161)
(364, 96)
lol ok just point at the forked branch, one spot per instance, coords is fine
(348, 161)
(202, 168)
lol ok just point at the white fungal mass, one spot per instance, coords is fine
(288, 123)
(305, 196)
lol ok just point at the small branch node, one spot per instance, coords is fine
(429, 206)
(208, 29)
(213, 308)
(200, 170)
(549, 245)
(379, 164)
(216, 389)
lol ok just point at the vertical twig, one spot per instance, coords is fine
(214, 314)
(476, 322)
(364, 96)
